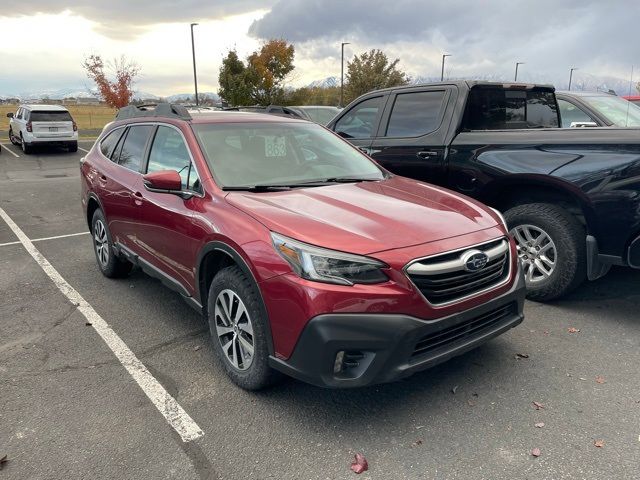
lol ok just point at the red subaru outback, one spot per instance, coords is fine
(303, 254)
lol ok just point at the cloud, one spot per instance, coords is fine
(483, 36)
(125, 19)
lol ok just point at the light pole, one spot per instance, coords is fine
(193, 52)
(571, 76)
(342, 72)
(515, 79)
(442, 72)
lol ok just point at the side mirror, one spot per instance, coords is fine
(9, 115)
(582, 124)
(164, 181)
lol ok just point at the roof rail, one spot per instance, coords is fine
(170, 110)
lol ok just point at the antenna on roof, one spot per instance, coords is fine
(626, 122)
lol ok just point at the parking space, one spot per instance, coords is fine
(69, 405)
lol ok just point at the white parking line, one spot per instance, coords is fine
(80, 148)
(46, 238)
(9, 150)
(165, 403)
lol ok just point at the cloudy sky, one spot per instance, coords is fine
(45, 41)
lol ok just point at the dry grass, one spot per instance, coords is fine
(87, 117)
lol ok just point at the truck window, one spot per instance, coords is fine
(360, 121)
(570, 113)
(415, 114)
(503, 109)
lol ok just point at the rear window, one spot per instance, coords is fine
(108, 144)
(503, 109)
(54, 116)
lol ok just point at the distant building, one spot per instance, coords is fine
(87, 101)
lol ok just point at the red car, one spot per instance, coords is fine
(633, 99)
(303, 254)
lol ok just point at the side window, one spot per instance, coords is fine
(19, 114)
(26, 114)
(415, 114)
(133, 147)
(360, 121)
(169, 152)
(570, 113)
(108, 143)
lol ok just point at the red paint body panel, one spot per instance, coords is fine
(396, 221)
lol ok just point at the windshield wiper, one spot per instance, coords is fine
(256, 188)
(350, 179)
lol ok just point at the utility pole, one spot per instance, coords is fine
(342, 73)
(193, 52)
(571, 76)
(442, 72)
(515, 79)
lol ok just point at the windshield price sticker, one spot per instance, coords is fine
(275, 147)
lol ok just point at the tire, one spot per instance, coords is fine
(109, 264)
(72, 146)
(554, 265)
(12, 138)
(237, 331)
(27, 148)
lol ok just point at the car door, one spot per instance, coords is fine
(412, 135)
(18, 123)
(359, 123)
(166, 230)
(120, 184)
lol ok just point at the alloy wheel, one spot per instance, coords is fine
(234, 329)
(101, 242)
(536, 251)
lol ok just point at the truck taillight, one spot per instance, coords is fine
(75, 127)
(29, 128)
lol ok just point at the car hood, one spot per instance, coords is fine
(366, 217)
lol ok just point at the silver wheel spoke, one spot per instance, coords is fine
(537, 251)
(248, 347)
(246, 327)
(222, 330)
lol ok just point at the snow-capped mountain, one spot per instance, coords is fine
(325, 83)
(181, 97)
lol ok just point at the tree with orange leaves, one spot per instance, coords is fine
(116, 93)
(267, 69)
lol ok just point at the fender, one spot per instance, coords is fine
(240, 261)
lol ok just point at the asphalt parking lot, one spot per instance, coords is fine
(70, 409)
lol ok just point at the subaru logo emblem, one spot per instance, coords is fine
(474, 260)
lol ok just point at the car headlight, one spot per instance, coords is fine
(329, 266)
(504, 223)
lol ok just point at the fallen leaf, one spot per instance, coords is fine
(453, 390)
(598, 443)
(474, 395)
(359, 463)
(573, 330)
(3, 461)
(546, 332)
(197, 347)
(416, 443)
(539, 425)
(522, 355)
(536, 452)
(537, 405)
(600, 379)
(471, 403)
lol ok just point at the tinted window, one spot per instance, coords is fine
(19, 114)
(57, 116)
(415, 114)
(169, 152)
(360, 121)
(108, 144)
(570, 113)
(501, 109)
(133, 147)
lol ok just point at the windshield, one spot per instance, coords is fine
(249, 154)
(321, 115)
(617, 110)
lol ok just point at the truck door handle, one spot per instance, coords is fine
(426, 154)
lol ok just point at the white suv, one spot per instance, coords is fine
(43, 124)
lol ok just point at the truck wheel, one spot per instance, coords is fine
(72, 146)
(239, 329)
(26, 147)
(12, 138)
(110, 265)
(551, 246)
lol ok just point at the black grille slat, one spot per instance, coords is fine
(434, 341)
(440, 288)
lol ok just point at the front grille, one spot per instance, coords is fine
(443, 278)
(464, 331)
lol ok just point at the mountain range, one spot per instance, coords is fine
(83, 92)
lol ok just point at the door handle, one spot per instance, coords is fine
(364, 149)
(102, 179)
(426, 154)
(137, 198)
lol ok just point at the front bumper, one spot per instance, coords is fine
(381, 348)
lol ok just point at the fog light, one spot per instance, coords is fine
(337, 365)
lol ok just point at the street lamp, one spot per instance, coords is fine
(571, 76)
(515, 79)
(442, 72)
(193, 52)
(342, 72)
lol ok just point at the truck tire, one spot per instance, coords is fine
(552, 249)
(72, 146)
(238, 329)
(26, 147)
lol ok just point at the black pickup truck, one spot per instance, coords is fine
(571, 197)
